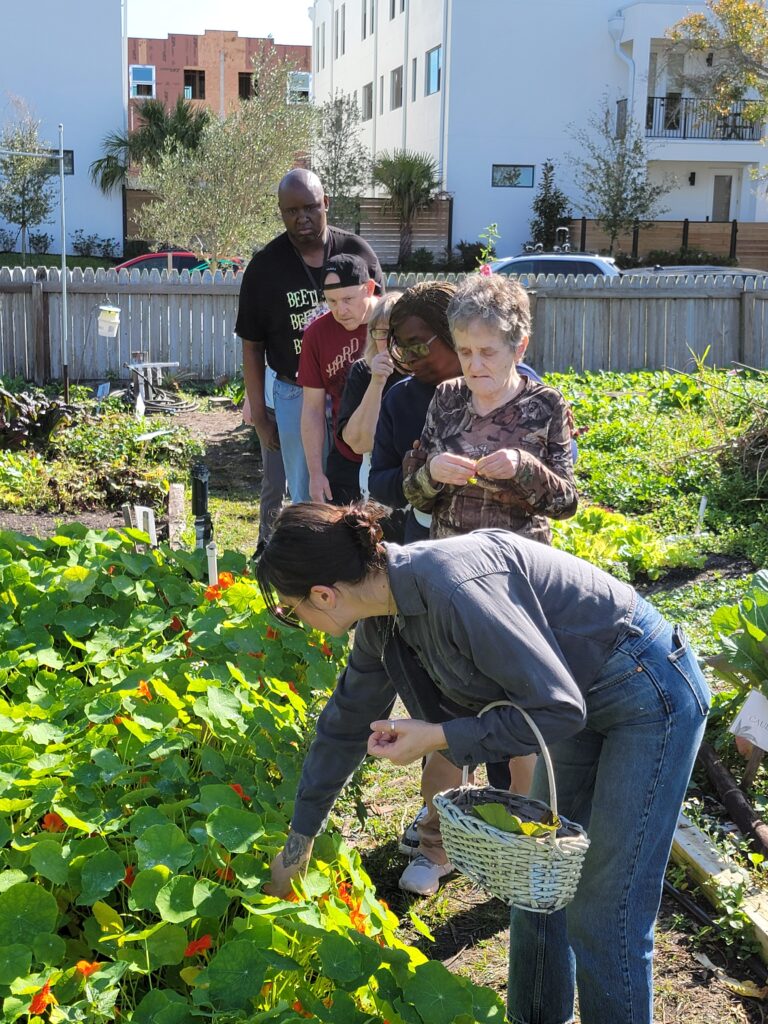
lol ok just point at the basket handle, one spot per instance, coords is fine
(542, 746)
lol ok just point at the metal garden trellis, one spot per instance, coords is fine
(59, 157)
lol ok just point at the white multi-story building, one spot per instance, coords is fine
(67, 64)
(493, 88)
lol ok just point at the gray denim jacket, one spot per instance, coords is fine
(490, 616)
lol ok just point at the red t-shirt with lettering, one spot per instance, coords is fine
(328, 350)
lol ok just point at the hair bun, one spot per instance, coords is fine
(365, 526)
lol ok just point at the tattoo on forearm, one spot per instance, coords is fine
(295, 849)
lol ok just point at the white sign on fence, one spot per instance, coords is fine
(752, 721)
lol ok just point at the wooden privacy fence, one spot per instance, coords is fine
(584, 323)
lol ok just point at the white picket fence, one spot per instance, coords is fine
(584, 323)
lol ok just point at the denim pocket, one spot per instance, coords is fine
(286, 392)
(684, 661)
(619, 667)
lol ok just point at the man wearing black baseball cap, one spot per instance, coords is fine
(330, 346)
(280, 291)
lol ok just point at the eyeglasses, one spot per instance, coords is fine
(288, 616)
(405, 354)
(378, 332)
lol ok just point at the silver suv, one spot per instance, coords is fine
(556, 263)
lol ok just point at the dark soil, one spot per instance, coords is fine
(470, 929)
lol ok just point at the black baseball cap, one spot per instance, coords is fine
(349, 269)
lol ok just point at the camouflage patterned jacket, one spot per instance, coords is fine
(535, 423)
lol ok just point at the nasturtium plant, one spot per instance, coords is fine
(152, 730)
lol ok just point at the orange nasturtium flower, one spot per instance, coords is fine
(42, 999)
(226, 579)
(298, 1008)
(272, 634)
(326, 650)
(53, 822)
(198, 945)
(143, 690)
(130, 876)
(176, 624)
(226, 874)
(212, 593)
(240, 791)
(86, 969)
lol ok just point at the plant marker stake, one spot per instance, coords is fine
(145, 520)
(203, 525)
(702, 510)
(213, 564)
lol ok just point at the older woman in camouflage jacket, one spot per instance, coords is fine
(497, 443)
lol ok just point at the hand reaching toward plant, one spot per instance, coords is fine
(402, 741)
(291, 861)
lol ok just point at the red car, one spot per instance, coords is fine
(180, 260)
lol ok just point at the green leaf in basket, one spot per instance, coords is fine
(499, 817)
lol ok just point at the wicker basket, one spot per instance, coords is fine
(539, 874)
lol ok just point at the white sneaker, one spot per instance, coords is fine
(409, 840)
(423, 877)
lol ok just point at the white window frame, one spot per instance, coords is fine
(414, 78)
(439, 51)
(366, 109)
(133, 85)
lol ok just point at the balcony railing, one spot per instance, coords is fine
(683, 117)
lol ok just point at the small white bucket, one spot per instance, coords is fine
(109, 321)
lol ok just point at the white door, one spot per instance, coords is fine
(726, 188)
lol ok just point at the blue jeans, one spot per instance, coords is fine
(623, 777)
(287, 399)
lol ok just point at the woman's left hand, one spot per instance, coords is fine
(501, 465)
(402, 741)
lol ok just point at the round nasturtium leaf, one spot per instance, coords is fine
(104, 708)
(164, 844)
(146, 886)
(166, 946)
(436, 993)
(340, 959)
(210, 899)
(100, 874)
(154, 1002)
(15, 961)
(48, 860)
(26, 910)
(49, 949)
(175, 901)
(237, 830)
(236, 974)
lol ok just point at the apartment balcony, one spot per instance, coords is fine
(684, 117)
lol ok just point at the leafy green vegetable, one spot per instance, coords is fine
(499, 817)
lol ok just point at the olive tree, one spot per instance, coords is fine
(219, 199)
(611, 173)
(27, 194)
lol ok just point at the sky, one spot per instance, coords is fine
(286, 20)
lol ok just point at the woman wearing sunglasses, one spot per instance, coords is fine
(450, 626)
(496, 445)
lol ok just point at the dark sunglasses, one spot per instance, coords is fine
(405, 354)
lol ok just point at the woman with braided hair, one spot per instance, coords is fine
(453, 625)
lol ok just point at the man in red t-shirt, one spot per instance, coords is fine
(329, 347)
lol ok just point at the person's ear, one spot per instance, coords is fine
(322, 598)
(326, 202)
(521, 348)
(370, 287)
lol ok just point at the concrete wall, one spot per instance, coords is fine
(69, 69)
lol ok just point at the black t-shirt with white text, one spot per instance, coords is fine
(280, 294)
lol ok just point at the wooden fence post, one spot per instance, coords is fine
(39, 333)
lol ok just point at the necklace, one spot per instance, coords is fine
(386, 627)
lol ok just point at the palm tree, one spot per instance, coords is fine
(412, 181)
(180, 128)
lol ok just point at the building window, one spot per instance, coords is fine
(381, 94)
(371, 18)
(335, 35)
(299, 86)
(433, 67)
(364, 24)
(512, 176)
(317, 48)
(69, 162)
(414, 69)
(392, 9)
(194, 84)
(245, 87)
(396, 88)
(142, 81)
(343, 29)
(322, 46)
(402, 6)
(367, 104)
